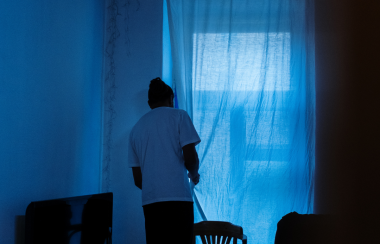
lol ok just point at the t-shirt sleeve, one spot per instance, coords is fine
(133, 160)
(187, 132)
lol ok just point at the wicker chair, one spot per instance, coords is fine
(218, 232)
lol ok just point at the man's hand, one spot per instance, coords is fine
(190, 156)
(194, 179)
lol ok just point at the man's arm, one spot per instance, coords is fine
(190, 156)
(137, 176)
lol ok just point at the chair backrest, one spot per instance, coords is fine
(218, 232)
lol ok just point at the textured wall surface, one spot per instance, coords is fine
(138, 59)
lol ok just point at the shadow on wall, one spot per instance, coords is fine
(20, 229)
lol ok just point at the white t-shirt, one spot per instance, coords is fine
(155, 145)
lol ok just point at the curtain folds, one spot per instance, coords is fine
(244, 71)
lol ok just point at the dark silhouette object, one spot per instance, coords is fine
(325, 229)
(96, 222)
(51, 222)
(216, 232)
(57, 221)
(297, 228)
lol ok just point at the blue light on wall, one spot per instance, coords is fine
(50, 100)
(167, 63)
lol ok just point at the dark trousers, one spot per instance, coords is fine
(169, 222)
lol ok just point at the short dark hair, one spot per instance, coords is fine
(159, 91)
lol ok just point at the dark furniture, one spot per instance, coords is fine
(356, 227)
(73, 220)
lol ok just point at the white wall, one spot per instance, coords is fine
(136, 64)
(50, 103)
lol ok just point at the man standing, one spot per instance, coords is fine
(161, 151)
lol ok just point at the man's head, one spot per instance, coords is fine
(160, 94)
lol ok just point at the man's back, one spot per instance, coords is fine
(156, 143)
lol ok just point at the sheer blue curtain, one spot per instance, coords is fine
(244, 71)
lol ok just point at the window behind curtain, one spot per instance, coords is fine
(244, 71)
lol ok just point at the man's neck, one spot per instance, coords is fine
(160, 106)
